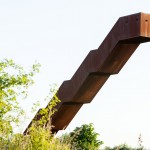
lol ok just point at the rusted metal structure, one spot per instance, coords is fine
(121, 42)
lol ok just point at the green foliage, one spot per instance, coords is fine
(120, 147)
(46, 113)
(39, 136)
(123, 147)
(14, 82)
(85, 138)
(126, 147)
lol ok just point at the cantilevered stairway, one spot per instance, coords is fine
(108, 59)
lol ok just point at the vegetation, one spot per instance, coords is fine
(122, 147)
(85, 138)
(14, 83)
(126, 147)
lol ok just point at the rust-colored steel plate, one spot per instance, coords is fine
(118, 46)
(65, 114)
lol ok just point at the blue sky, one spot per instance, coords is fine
(59, 34)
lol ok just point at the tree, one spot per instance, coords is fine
(85, 138)
(14, 82)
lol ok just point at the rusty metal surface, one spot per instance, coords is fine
(66, 109)
(108, 59)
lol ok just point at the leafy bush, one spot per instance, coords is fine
(85, 138)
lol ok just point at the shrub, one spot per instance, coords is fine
(85, 138)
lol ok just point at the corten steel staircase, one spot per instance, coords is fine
(121, 42)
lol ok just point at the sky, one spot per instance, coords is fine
(59, 34)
